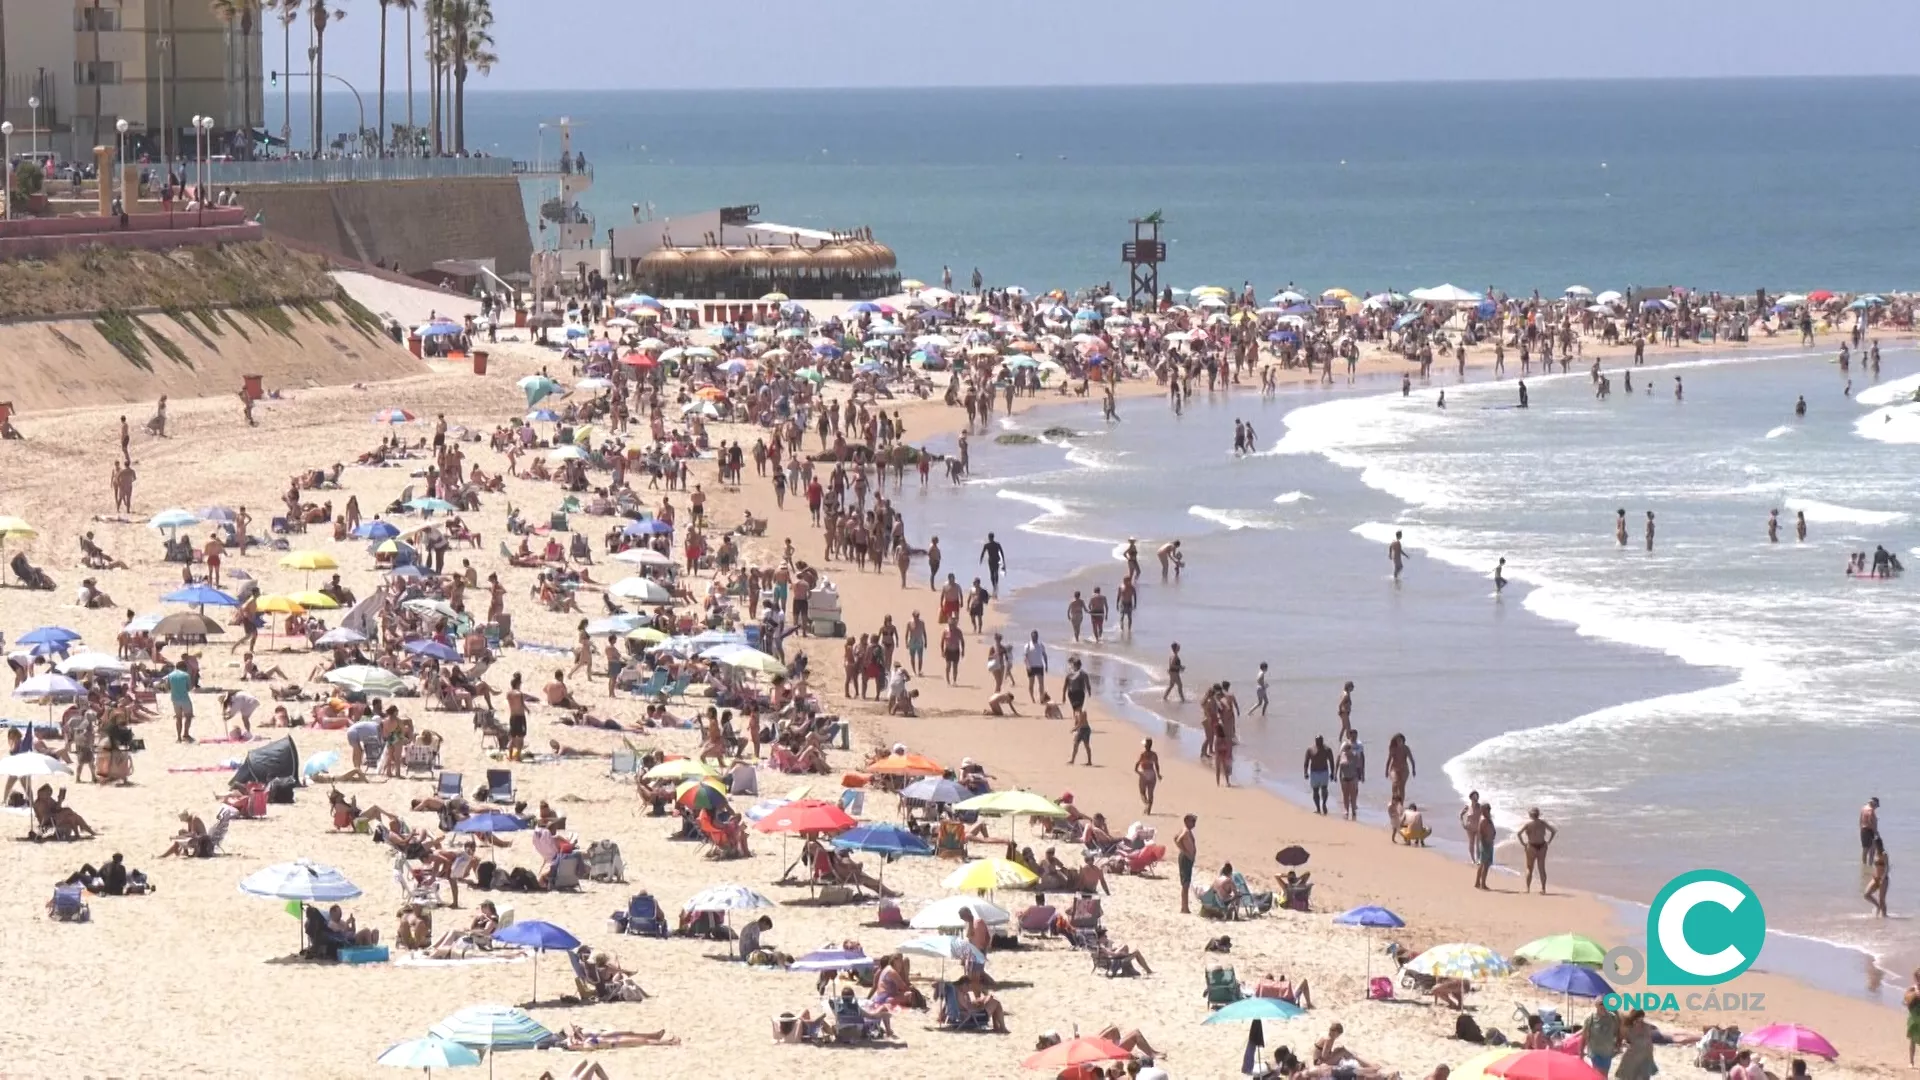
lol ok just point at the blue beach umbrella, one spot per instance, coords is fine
(409, 571)
(935, 789)
(490, 822)
(1370, 916)
(429, 1053)
(647, 527)
(543, 416)
(865, 307)
(1255, 1008)
(170, 521)
(831, 352)
(201, 595)
(49, 635)
(376, 530)
(538, 936)
(882, 839)
(432, 506)
(218, 513)
(434, 649)
(491, 1029)
(1573, 980)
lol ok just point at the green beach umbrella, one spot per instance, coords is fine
(1564, 949)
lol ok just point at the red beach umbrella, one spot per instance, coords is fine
(806, 816)
(1820, 296)
(639, 360)
(1082, 1051)
(1543, 1065)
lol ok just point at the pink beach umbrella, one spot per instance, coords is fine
(1793, 1038)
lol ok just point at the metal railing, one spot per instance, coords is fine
(343, 170)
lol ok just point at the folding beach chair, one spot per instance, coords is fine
(500, 786)
(643, 917)
(623, 763)
(449, 786)
(69, 904)
(955, 1016)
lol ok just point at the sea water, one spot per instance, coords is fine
(1718, 184)
(1718, 701)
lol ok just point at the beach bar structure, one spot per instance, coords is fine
(724, 254)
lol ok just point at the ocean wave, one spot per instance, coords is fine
(1292, 497)
(1899, 424)
(1828, 513)
(1783, 429)
(1233, 520)
(1888, 393)
(1054, 514)
(1099, 460)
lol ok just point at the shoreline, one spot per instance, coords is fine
(1821, 962)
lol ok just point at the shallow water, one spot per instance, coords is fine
(1719, 701)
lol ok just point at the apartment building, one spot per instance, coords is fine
(154, 63)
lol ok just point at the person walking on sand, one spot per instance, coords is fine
(1911, 1000)
(1483, 846)
(1869, 829)
(1175, 666)
(1317, 769)
(1397, 554)
(1082, 736)
(1188, 847)
(1035, 655)
(933, 564)
(126, 442)
(953, 646)
(1535, 835)
(1350, 764)
(1146, 768)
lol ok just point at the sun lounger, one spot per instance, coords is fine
(643, 917)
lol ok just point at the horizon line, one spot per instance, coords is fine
(483, 89)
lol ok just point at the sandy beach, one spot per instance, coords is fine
(196, 979)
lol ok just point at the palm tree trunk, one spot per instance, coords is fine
(459, 87)
(3, 57)
(433, 75)
(382, 108)
(246, 77)
(319, 74)
(410, 135)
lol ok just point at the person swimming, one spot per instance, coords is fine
(1800, 406)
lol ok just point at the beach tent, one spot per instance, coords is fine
(271, 762)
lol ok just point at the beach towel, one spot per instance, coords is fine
(228, 767)
(230, 739)
(540, 647)
(421, 959)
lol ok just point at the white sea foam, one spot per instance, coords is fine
(1842, 515)
(1898, 424)
(1054, 516)
(1233, 520)
(1782, 430)
(1887, 393)
(1291, 497)
(1087, 458)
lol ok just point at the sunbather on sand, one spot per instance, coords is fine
(191, 841)
(974, 997)
(416, 928)
(459, 944)
(53, 813)
(557, 750)
(1111, 951)
(1298, 993)
(579, 1039)
(616, 981)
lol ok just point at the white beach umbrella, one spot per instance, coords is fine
(1579, 290)
(944, 914)
(48, 686)
(640, 591)
(87, 663)
(643, 556)
(25, 765)
(1609, 297)
(303, 880)
(341, 635)
(367, 679)
(727, 898)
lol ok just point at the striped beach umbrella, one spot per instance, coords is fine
(429, 1054)
(727, 898)
(1458, 960)
(490, 1029)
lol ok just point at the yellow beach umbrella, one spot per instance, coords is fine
(283, 605)
(775, 297)
(913, 285)
(989, 874)
(680, 769)
(583, 435)
(1336, 294)
(1013, 802)
(1211, 290)
(314, 600)
(647, 635)
(309, 560)
(1475, 1067)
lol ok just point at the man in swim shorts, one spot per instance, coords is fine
(1483, 845)
(1318, 770)
(1869, 828)
(1189, 849)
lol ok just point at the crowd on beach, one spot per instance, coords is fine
(703, 665)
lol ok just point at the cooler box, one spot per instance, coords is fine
(363, 954)
(823, 614)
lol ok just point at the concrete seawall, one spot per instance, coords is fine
(410, 224)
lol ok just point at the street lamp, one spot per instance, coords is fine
(206, 157)
(33, 103)
(6, 134)
(195, 122)
(121, 126)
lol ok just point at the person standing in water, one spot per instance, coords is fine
(1679, 390)
(1869, 829)
(1345, 708)
(1499, 576)
(1535, 835)
(1620, 527)
(1800, 406)
(1649, 530)
(1317, 769)
(1397, 554)
(1483, 845)
(1800, 525)
(1175, 666)
(995, 556)
(1523, 392)
(1876, 893)
(1773, 526)
(1259, 691)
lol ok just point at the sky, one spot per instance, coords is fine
(758, 44)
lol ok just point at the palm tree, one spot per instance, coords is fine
(319, 17)
(380, 106)
(3, 57)
(239, 13)
(435, 12)
(472, 24)
(406, 6)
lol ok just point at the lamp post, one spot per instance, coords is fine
(193, 125)
(121, 126)
(206, 157)
(33, 103)
(6, 133)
